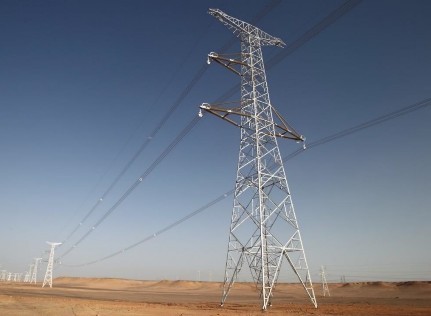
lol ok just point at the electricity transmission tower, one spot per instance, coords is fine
(264, 231)
(3, 275)
(325, 287)
(27, 277)
(34, 274)
(50, 266)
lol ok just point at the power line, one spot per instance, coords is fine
(159, 232)
(325, 22)
(155, 163)
(299, 42)
(143, 147)
(383, 118)
(163, 120)
(328, 20)
(313, 31)
(148, 138)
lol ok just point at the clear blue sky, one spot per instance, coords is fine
(84, 83)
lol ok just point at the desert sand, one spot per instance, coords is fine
(107, 297)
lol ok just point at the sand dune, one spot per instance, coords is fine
(101, 282)
(113, 283)
(388, 284)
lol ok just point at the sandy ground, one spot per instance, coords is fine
(108, 297)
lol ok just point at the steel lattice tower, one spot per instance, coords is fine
(264, 230)
(28, 273)
(50, 266)
(3, 275)
(33, 278)
(325, 287)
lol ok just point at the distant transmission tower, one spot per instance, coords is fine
(264, 230)
(325, 287)
(3, 275)
(50, 266)
(27, 277)
(343, 279)
(34, 274)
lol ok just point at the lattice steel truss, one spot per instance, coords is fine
(264, 230)
(325, 287)
(33, 278)
(28, 273)
(50, 266)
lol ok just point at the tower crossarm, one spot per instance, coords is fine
(281, 129)
(241, 28)
(227, 62)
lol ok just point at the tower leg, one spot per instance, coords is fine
(235, 268)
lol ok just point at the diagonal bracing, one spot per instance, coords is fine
(264, 231)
